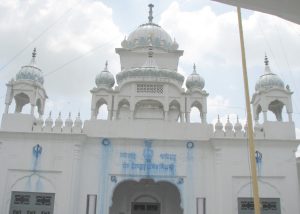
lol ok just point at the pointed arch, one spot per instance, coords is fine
(276, 107)
(123, 111)
(21, 100)
(101, 110)
(196, 110)
(149, 109)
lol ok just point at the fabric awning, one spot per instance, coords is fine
(286, 9)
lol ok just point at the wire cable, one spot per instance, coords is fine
(38, 36)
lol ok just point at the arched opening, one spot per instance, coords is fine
(196, 112)
(174, 111)
(275, 107)
(149, 109)
(101, 110)
(123, 112)
(146, 197)
(22, 103)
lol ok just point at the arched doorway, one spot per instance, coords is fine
(146, 197)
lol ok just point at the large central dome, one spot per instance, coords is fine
(149, 34)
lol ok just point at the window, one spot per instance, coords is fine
(31, 203)
(268, 205)
(150, 88)
(43, 200)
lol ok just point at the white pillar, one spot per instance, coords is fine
(203, 118)
(109, 114)
(32, 109)
(187, 117)
(181, 117)
(265, 116)
(93, 114)
(74, 188)
(166, 115)
(6, 108)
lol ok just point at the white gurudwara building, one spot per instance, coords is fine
(147, 157)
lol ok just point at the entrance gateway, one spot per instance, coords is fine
(146, 197)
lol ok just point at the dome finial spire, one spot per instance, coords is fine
(34, 53)
(33, 57)
(266, 60)
(106, 66)
(194, 69)
(150, 17)
(267, 68)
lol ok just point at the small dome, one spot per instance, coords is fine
(195, 80)
(31, 72)
(78, 121)
(58, 121)
(238, 126)
(69, 121)
(49, 121)
(228, 125)
(268, 79)
(219, 125)
(149, 33)
(105, 78)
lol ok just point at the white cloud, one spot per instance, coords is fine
(212, 40)
(217, 103)
(89, 25)
(83, 26)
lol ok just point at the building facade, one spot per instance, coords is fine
(147, 157)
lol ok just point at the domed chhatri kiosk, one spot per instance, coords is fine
(145, 156)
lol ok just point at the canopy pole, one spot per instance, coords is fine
(249, 119)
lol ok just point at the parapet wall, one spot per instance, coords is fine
(148, 129)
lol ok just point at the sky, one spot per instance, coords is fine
(74, 38)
